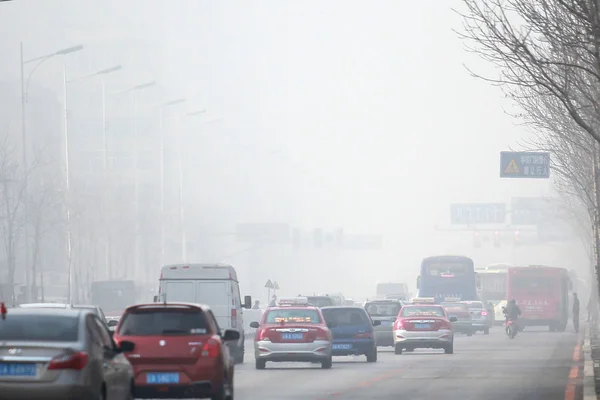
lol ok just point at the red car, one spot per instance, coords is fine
(179, 351)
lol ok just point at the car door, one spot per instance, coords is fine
(110, 369)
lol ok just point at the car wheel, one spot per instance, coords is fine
(397, 349)
(449, 349)
(239, 355)
(225, 392)
(327, 363)
(486, 331)
(372, 356)
(260, 364)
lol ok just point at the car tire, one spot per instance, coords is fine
(327, 363)
(372, 356)
(449, 349)
(397, 349)
(225, 392)
(239, 355)
(486, 331)
(260, 364)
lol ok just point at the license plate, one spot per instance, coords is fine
(292, 336)
(341, 347)
(162, 378)
(18, 369)
(423, 326)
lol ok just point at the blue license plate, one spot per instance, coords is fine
(292, 336)
(162, 378)
(341, 347)
(423, 326)
(17, 369)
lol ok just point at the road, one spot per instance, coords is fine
(535, 365)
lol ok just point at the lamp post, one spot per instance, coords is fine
(66, 83)
(24, 92)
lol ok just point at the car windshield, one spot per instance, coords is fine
(40, 328)
(320, 301)
(346, 316)
(474, 305)
(416, 311)
(152, 322)
(455, 307)
(293, 315)
(383, 309)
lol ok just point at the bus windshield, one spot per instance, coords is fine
(533, 283)
(448, 270)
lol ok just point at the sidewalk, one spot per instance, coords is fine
(590, 366)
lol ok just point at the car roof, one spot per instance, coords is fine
(422, 305)
(203, 307)
(84, 306)
(47, 311)
(43, 305)
(343, 308)
(309, 307)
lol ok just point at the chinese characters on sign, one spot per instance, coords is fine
(524, 165)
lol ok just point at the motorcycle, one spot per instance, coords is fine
(510, 327)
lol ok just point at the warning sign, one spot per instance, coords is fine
(512, 168)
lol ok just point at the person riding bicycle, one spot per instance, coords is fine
(512, 311)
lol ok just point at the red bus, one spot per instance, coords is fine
(542, 293)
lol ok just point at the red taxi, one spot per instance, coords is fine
(423, 325)
(292, 331)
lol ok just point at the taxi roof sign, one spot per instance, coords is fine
(423, 300)
(293, 301)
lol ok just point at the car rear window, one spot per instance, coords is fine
(153, 322)
(40, 328)
(456, 307)
(293, 316)
(320, 301)
(430, 311)
(383, 309)
(475, 305)
(346, 317)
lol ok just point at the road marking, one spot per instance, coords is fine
(368, 383)
(571, 390)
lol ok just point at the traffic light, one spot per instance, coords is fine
(476, 239)
(497, 239)
(296, 238)
(318, 238)
(517, 238)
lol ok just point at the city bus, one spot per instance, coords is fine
(543, 293)
(447, 277)
(491, 288)
(113, 296)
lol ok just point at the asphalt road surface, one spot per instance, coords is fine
(537, 364)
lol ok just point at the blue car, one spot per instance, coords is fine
(352, 331)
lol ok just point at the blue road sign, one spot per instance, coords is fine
(477, 213)
(524, 165)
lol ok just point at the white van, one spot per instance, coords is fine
(215, 285)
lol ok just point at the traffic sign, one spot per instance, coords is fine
(477, 213)
(275, 285)
(269, 284)
(524, 165)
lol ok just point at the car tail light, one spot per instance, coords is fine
(322, 335)
(484, 313)
(365, 335)
(69, 361)
(446, 325)
(262, 335)
(233, 318)
(398, 325)
(211, 349)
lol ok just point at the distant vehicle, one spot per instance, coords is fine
(543, 295)
(464, 320)
(294, 331)
(398, 289)
(113, 296)
(212, 284)
(61, 353)
(423, 326)
(482, 320)
(352, 331)
(384, 311)
(177, 351)
(491, 288)
(320, 301)
(337, 298)
(444, 277)
(95, 309)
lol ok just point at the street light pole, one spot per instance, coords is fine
(24, 91)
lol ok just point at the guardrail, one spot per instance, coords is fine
(251, 316)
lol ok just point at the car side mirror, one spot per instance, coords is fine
(453, 319)
(254, 325)
(155, 299)
(247, 302)
(376, 323)
(126, 346)
(230, 335)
